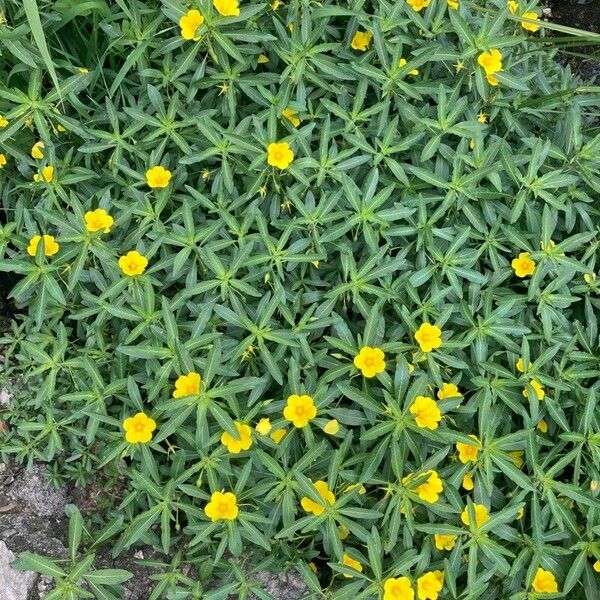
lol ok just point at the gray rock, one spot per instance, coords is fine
(14, 585)
(282, 586)
(32, 489)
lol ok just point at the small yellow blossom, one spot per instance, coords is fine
(292, 116)
(370, 361)
(543, 426)
(467, 482)
(234, 445)
(2, 160)
(46, 174)
(429, 337)
(278, 435)
(426, 412)
(280, 155)
(262, 59)
(418, 5)
(517, 458)
(520, 513)
(453, 4)
(263, 427)
(402, 62)
(275, 4)
(361, 40)
(468, 452)
(398, 588)
(187, 385)
(491, 79)
(300, 410)
(83, 70)
(513, 6)
(481, 515)
(158, 177)
(331, 427)
(544, 582)
(520, 366)
(361, 488)
(589, 278)
(537, 388)
(139, 428)
(36, 150)
(491, 61)
(449, 390)
(133, 263)
(318, 508)
(482, 117)
(530, 26)
(428, 491)
(189, 24)
(99, 219)
(51, 247)
(227, 8)
(222, 506)
(60, 128)
(597, 566)
(3, 122)
(523, 265)
(445, 542)
(348, 561)
(429, 585)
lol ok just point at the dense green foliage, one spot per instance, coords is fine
(408, 197)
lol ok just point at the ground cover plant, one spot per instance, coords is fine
(306, 284)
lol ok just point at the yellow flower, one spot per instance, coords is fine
(98, 219)
(482, 117)
(523, 265)
(426, 412)
(361, 40)
(235, 446)
(263, 426)
(83, 70)
(491, 79)
(189, 24)
(544, 582)
(513, 6)
(348, 561)
(597, 566)
(139, 428)
(491, 61)
(275, 4)
(445, 542)
(51, 247)
(262, 59)
(300, 410)
(449, 390)
(227, 8)
(222, 505)
(278, 435)
(537, 388)
(589, 278)
(187, 385)
(3, 122)
(429, 337)
(398, 588)
(36, 150)
(370, 361)
(517, 457)
(46, 174)
(412, 71)
(158, 177)
(292, 116)
(467, 482)
(418, 4)
(430, 489)
(133, 263)
(280, 155)
(530, 26)
(468, 452)
(543, 426)
(520, 365)
(430, 585)
(361, 488)
(453, 4)
(2, 160)
(481, 515)
(318, 508)
(331, 427)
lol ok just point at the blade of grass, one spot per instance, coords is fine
(35, 24)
